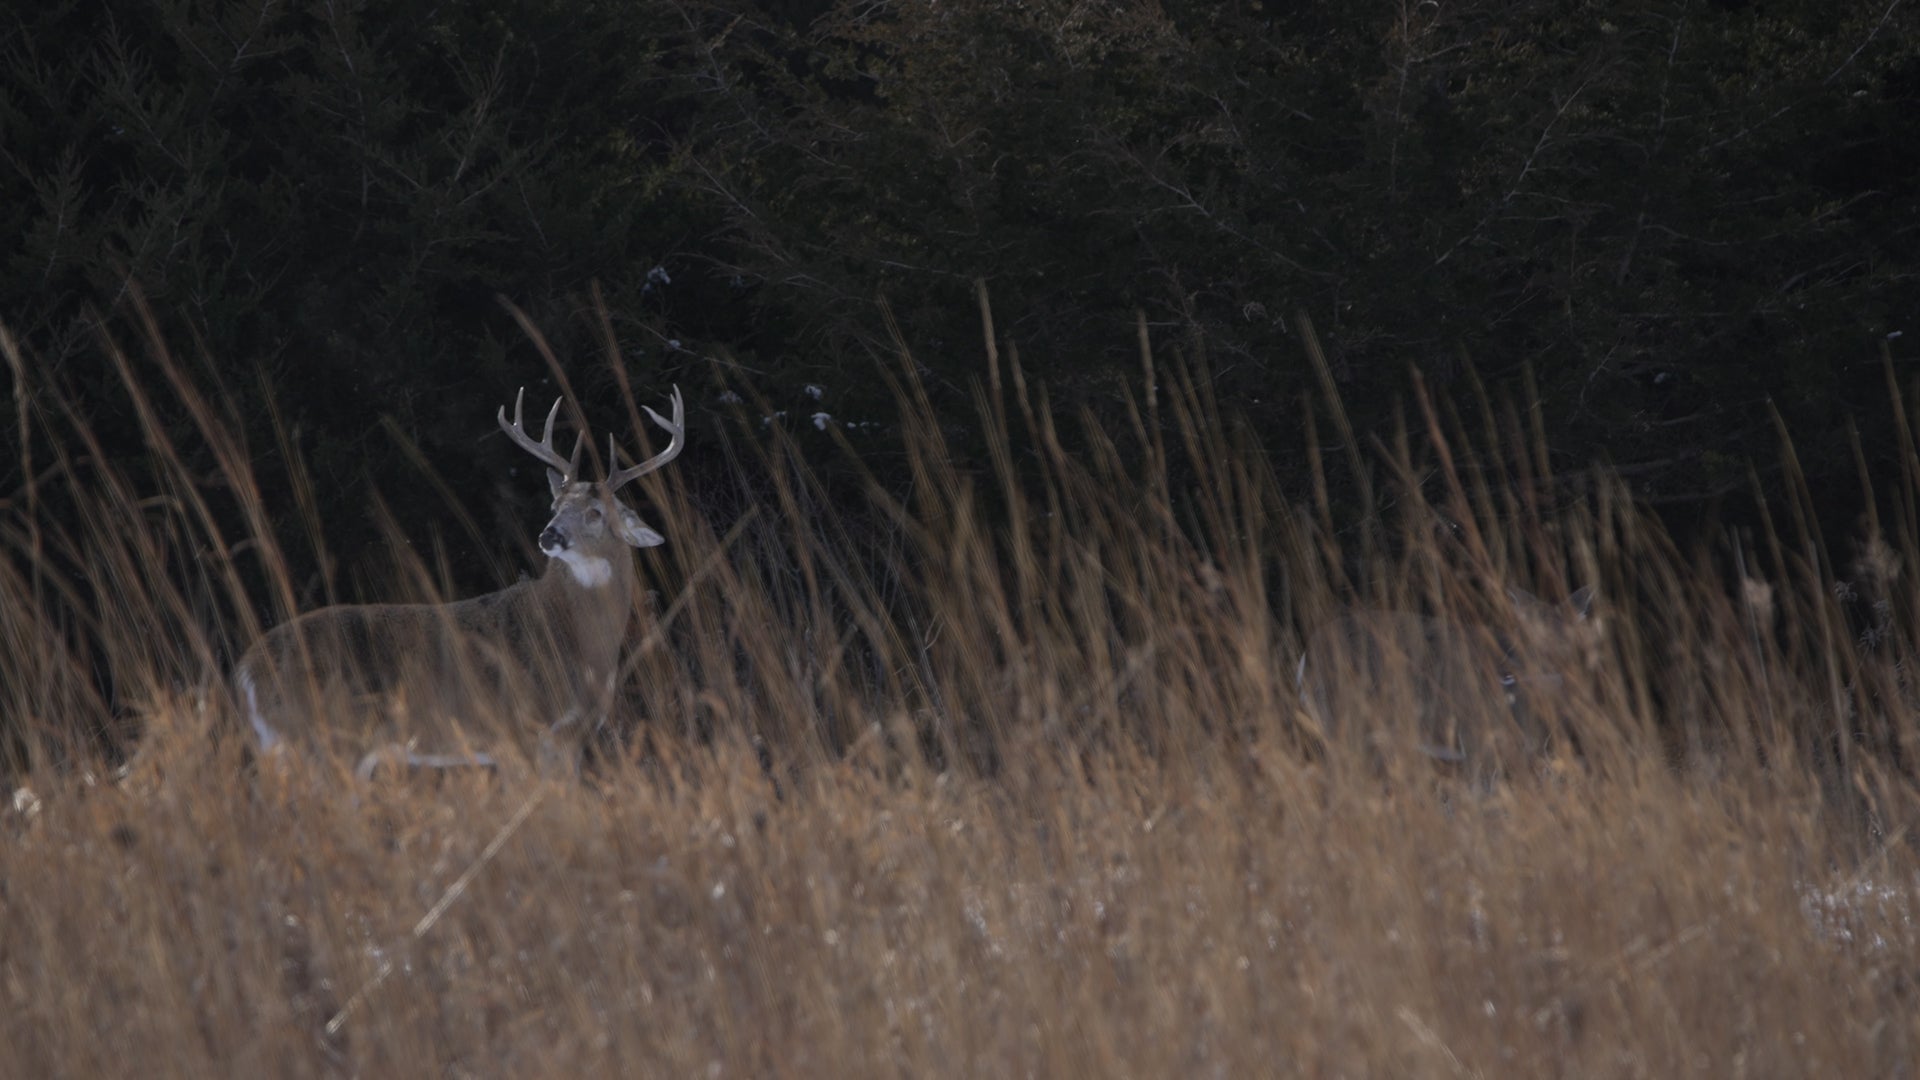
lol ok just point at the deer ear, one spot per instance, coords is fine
(1522, 600)
(635, 532)
(1581, 601)
(555, 482)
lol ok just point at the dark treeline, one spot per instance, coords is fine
(1654, 225)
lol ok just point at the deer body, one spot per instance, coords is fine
(534, 665)
(1456, 692)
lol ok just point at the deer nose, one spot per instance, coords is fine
(551, 539)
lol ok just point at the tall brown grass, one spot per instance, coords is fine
(1000, 772)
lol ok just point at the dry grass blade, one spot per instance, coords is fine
(447, 899)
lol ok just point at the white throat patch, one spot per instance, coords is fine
(589, 570)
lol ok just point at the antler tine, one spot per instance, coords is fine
(544, 448)
(676, 426)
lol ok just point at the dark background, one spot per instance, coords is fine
(1673, 216)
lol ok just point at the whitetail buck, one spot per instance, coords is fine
(1457, 692)
(439, 685)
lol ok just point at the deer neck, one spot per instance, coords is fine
(589, 580)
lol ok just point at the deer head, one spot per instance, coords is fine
(588, 517)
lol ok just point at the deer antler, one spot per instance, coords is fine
(676, 426)
(544, 448)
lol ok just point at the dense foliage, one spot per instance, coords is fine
(1672, 217)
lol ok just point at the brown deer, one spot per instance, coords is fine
(533, 666)
(1461, 693)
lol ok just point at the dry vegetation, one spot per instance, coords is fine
(1013, 785)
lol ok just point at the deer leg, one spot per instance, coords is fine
(256, 717)
(386, 755)
(559, 754)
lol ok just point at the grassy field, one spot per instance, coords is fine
(1003, 774)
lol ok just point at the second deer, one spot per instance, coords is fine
(1476, 696)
